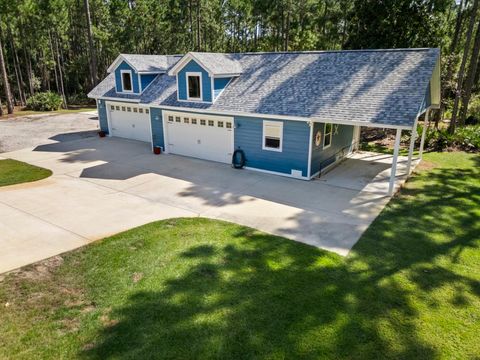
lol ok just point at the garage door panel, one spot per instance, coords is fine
(129, 121)
(189, 137)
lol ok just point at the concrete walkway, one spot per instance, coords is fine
(104, 186)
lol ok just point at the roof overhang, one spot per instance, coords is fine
(120, 58)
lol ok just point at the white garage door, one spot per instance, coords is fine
(129, 121)
(196, 135)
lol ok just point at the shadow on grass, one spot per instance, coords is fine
(260, 296)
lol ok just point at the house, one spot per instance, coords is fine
(292, 113)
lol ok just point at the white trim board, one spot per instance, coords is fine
(187, 87)
(131, 81)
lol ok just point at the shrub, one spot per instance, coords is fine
(468, 137)
(46, 101)
(80, 99)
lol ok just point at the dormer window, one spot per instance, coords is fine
(127, 81)
(194, 86)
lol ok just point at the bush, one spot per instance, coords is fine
(467, 138)
(46, 101)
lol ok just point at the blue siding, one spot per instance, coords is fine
(102, 115)
(192, 66)
(219, 84)
(146, 79)
(118, 79)
(157, 127)
(294, 155)
(324, 157)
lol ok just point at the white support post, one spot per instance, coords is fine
(424, 131)
(391, 185)
(412, 146)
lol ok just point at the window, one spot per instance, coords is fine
(194, 86)
(228, 125)
(140, 110)
(126, 81)
(194, 121)
(177, 119)
(186, 120)
(117, 108)
(327, 137)
(203, 122)
(112, 107)
(135, 110)
(220, 123)
(272, 135)
(211, 123)
(147, 111)
(123, 108)
(170, 118)
(129, 109)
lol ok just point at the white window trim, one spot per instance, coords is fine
(131, 80)
(199, 74)
(272, 123)
(325, 135)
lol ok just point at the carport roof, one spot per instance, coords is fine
(384, 88)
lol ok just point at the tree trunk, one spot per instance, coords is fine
(91, 46)
(6, 84)
(198, 26)
(16, 67)
(287, 29)
(62, 88)
(54, 61)
(470, 77)
(461, 72)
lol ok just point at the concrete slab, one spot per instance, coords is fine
(103, 186)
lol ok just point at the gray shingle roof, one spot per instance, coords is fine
(151, 63)
(383, 87)
(219, 64)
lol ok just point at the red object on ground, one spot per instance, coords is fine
(157, 150)
(101, 134)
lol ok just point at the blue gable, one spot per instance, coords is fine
(192, 66)
(219, 84)
(118, 78)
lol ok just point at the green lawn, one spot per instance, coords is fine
(200, 289)
(17, 172)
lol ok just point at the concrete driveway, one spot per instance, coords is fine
(104, 186)
(31, 130)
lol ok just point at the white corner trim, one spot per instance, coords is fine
(115, 64)
(131, 80)
(194, 73)
(310, 145)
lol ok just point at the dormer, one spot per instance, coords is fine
(201, 77)
(133, 73)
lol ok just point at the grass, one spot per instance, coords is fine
(198, 288)
(70, 110)
(17, 172)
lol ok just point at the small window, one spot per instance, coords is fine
(194, 121)
(170, 118)
(186, 120)
(123, 108)
(127, 81)
(135, 110)
(147, 111)
(211, 123)
(177, 119)
(203, 122)
(220, 124)
(228, 125)
(129, 109)
(140, 110)
(112, 107)
(327, 137)
(272, 135)
(117, 108)
(194, 91)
